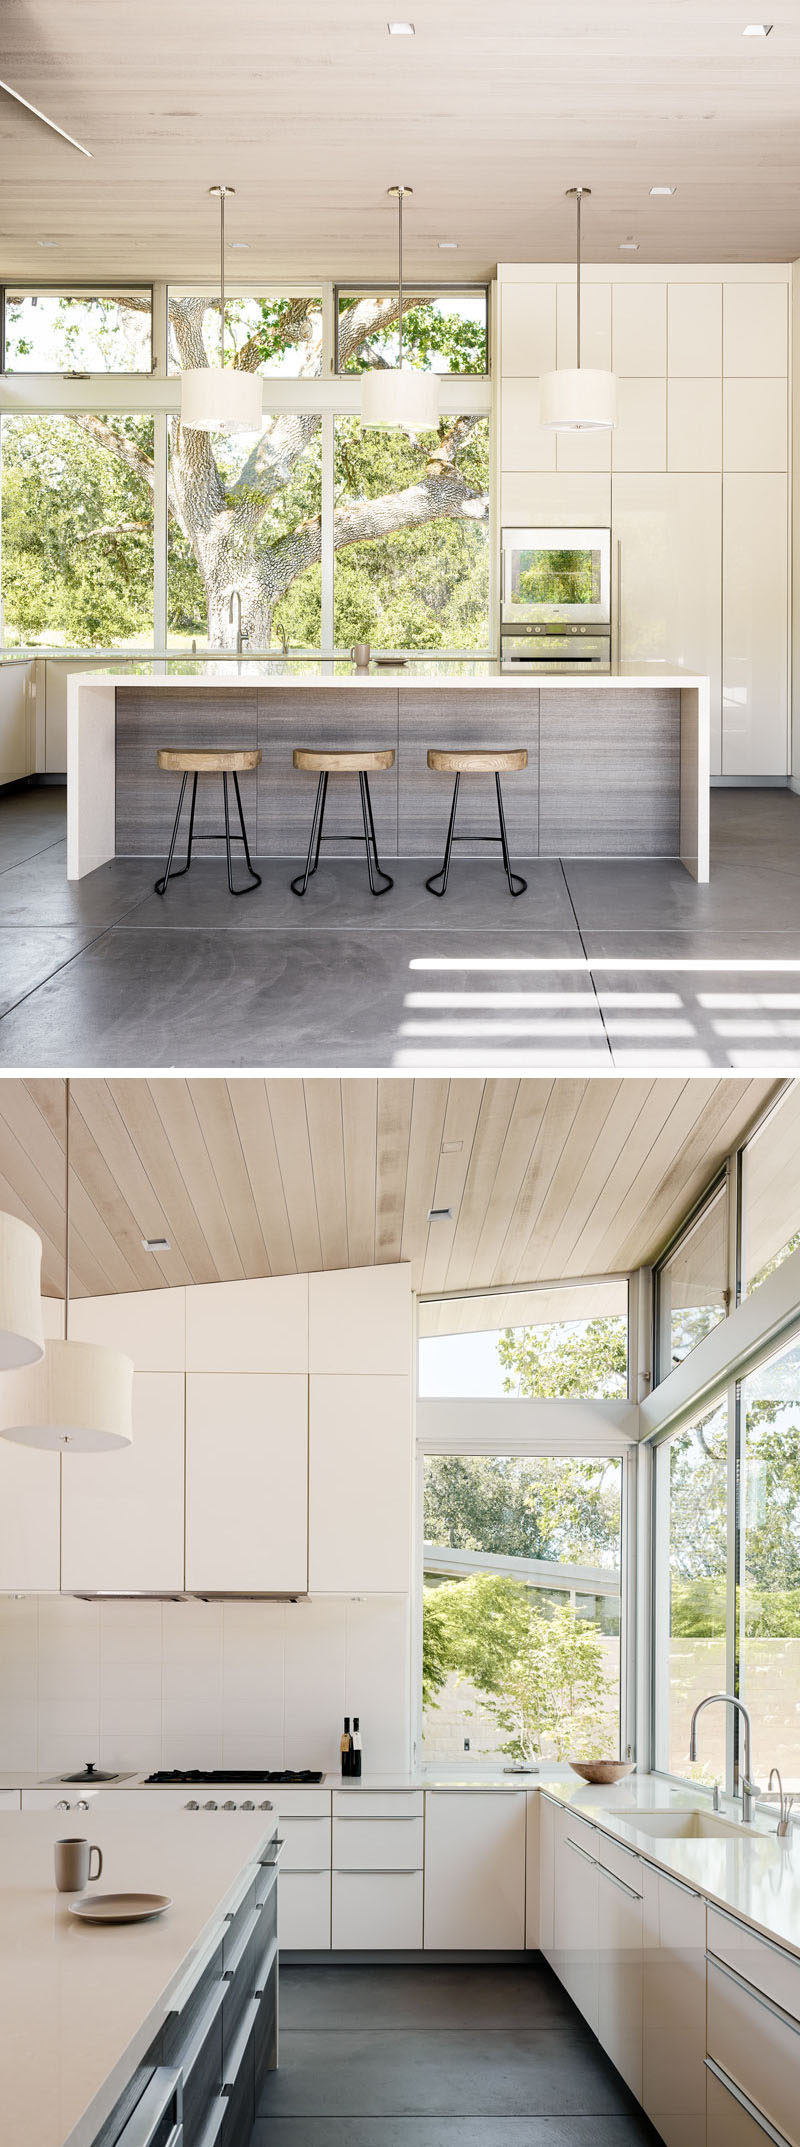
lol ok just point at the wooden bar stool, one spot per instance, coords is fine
(347, 761)
(209, 760)
(477, 760)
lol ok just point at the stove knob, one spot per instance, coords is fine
(211, 1806)
(82, 1804)
(63, 1805)
(192, 1805)
(248, 1805)
(230, 1806)
(266, 1806)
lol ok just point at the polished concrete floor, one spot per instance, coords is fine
(440, 2057)
(600, 965)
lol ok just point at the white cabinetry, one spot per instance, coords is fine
(304, 1885)
(360, 1485)
(359, 1320)
(475, 1869)
(548, 1821)
(576, 1913)
(731, 2120)
(149, 1325)
(377, 1909)
(10, 1800)
(246, 1481)
(15, 760)
(533, 1820)
(755, 625)
(619, 1926)
(257, 1326)
(667, 535)
(58, 1799)
(29, 1513)
(377, 1869)
(122, 1513)
(674, 2017)
(753, 2013)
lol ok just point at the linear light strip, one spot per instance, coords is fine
(34, 108)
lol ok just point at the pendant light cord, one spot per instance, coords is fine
(222, 276)
(400, 192)
(579, 191)
(66, 1211)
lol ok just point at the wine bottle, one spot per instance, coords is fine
(356, 1766)
(346, 1749)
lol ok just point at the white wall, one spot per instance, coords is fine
(694, 482)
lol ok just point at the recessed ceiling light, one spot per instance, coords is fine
(400, 29)
(757, 29)
(629, 245)
(47, 242)
(452, 1148)
(663, 190)
(156, 1244)
(240, 245)
(440, 1215)
(447, 245)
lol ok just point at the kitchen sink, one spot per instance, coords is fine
(688, 1826)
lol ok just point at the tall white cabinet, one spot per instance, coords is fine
(694, 480)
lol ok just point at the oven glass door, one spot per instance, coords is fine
(555, 576)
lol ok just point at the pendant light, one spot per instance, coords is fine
(221, 398)
(79, 1399)
(578, 398)
(21, 1331)
(391, 396)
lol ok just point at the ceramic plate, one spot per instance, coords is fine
(119, 1908)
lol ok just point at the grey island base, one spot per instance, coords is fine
(618, 765)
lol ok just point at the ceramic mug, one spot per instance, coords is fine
(73, 1864)
(360, 653)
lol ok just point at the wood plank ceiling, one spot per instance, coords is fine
(312, 112)
(245, 1177)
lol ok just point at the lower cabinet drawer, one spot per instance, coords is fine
(374, 1909)
(307, 1841)
(729, 2123)
(377, 1844)
(304, 1910)
(757, 2047)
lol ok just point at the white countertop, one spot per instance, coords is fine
(425, 677)
(81, 2004)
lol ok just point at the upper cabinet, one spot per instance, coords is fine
(247, 1482)
(755, 570)
(639, 329)
(360, 1493)
(694, 331)
(755, 329)
(527, 329)
(148, 1325)
(248, 1326)
(360, 1320)
(122, 1513)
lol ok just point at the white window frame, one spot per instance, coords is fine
(157, 395)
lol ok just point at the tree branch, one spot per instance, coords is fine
(118, 444)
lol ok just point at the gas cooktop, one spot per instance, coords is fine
(235, 1776)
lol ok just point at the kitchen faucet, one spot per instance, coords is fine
(281, 632)
(784, 1802)
(241, 633)
(749, 1787)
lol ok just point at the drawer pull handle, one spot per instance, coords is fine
(377, 1871)
(758, 1937)
(266, 1968)
(769, 2004)
(615, 1881)
(579, 1851)
(219, 2111)
(184, 1991)
(233, 2062)
(380, 1818)
(142, 2126)
(238, 1951)
(763, 2123)
(194, 2049)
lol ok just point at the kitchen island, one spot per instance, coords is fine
(95, 2019)
(618, 762)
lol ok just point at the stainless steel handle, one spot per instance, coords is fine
(278, 1845)
(380, 1818)
(757, 2116)
(297, 1818)
(502, 574)
(248, 1875)
(619, 600)
(778, 2013)
(377, 1871)
(307, 1871)
(265, 1970)
(621, 1883)
(142, 2126)
(233, 2061)
(670, 1879)
(198, 1968)
(579, 1851)
(758, 1938)
(200, 2034)
(220, 2109)
(238, 1951)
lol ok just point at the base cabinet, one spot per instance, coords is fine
(304, 1911)
(732, 2122)
(576, 1934)
(377, 1910)
(620, 1927)
(475, 1869)
(548, 1820)
(674, 2009)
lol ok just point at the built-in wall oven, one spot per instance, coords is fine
(555, 598)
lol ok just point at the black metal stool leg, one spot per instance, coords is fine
(444, 870)
(369, 839)
(161, 885)
(299, 885)
(227, 833)
(516, 885)
(255, 877)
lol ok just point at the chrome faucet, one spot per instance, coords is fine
(241, 633)
(282, 634)
(728, 1699)
(779, 1797)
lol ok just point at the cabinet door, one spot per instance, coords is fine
(246, 1481)
(29, 1512)
(360, 1485)
(304, 1910)
(377, 1909)
(122, 1513)
(359, 1320)
(674, 2009)
(259, 1326)
(475, 1869)
(757, 2046)
(148, 1325)
(14, 722)
(619, 2021)
(667, 540)
(754, 625)
(547, 1876)
(10, 1800)
(576, 1915)
(532, 1825)
(730, 2123)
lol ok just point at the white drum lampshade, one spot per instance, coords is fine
(406, 399)
(219, 399)
(578, 398)
(21, 1330)
(80, 1395)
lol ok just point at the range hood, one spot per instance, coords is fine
(187, 1595)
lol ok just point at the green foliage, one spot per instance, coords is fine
(77, 534)
(586, 1358)
(518, 1506)
(430, 329)
(541, 1676)
(556, 578)
(426, 587)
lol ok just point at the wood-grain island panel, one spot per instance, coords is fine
(147, 796)
(327, 719)
(610, 773)
(438, 719)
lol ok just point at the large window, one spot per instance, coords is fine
(76, 511)
(551, 1343)
(770, 1202)
(245, 513)
(769, 1561)
(78, 331)
(691, 1285)
(274, 335)
(411, 536)
(691, 1592)
(443, 331)
(521, 1608)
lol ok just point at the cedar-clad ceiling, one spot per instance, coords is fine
(545, 1178)
(312, 111)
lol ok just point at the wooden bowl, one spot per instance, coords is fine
(603, 1770)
